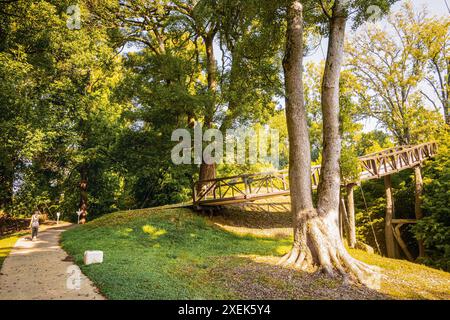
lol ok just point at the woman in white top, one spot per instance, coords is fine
(34, 225)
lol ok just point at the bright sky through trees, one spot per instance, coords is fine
(434, 7)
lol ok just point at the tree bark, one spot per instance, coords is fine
(388, 231)
(296, 115)
(317, 243)
(418, 204)
(351, 216)
(233, 99)
(83, 194)
(447, 102)
(208, 171)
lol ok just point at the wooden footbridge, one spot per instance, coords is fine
(252, 187)
(248, 188)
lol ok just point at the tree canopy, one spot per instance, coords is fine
(90, 95)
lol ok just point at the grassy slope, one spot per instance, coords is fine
(175, 254)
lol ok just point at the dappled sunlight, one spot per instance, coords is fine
(281, 250)
(5, 250)
(276, 233)
(154, 233)
(125, 232)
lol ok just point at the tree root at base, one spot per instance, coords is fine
(318, 247)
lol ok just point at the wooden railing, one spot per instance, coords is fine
(251, 187)
(392, 160)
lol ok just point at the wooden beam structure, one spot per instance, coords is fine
(418, 204)
(396, 225)
(388, 229)
(252, 187)
(351, 229)
(245, 190)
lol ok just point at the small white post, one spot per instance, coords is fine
(58, 214)
(79, 212)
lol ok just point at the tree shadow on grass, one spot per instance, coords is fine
(250, 278)
(257, 216)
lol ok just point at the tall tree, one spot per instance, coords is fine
(317, 242)
(391, 65)
(60, 110)
(434, 35)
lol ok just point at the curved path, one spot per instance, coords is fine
(42, 270)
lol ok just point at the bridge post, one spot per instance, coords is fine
(388, 229)
(418, 203)
(351, 216)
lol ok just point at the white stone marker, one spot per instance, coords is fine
(91, 257)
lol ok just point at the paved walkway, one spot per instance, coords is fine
(41, 270)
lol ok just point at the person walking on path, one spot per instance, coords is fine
(34, 225)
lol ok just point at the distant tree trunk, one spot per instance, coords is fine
(233, 102)
(208, 171)
(6, 185)
(317, 242)
(447, 101)
(418, 204)
(351, 216)
(83, 194)
(388, 231)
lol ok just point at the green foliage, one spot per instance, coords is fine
(75, 107)
(389, 68)
(434, 228)
(372, 221)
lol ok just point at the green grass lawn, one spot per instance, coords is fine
(159, 254)
(175, 254)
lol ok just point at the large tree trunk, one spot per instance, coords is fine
(296, 116)
(299, 145)
(317, 243)
(208, 171)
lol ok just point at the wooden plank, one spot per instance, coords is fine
(388, 231)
